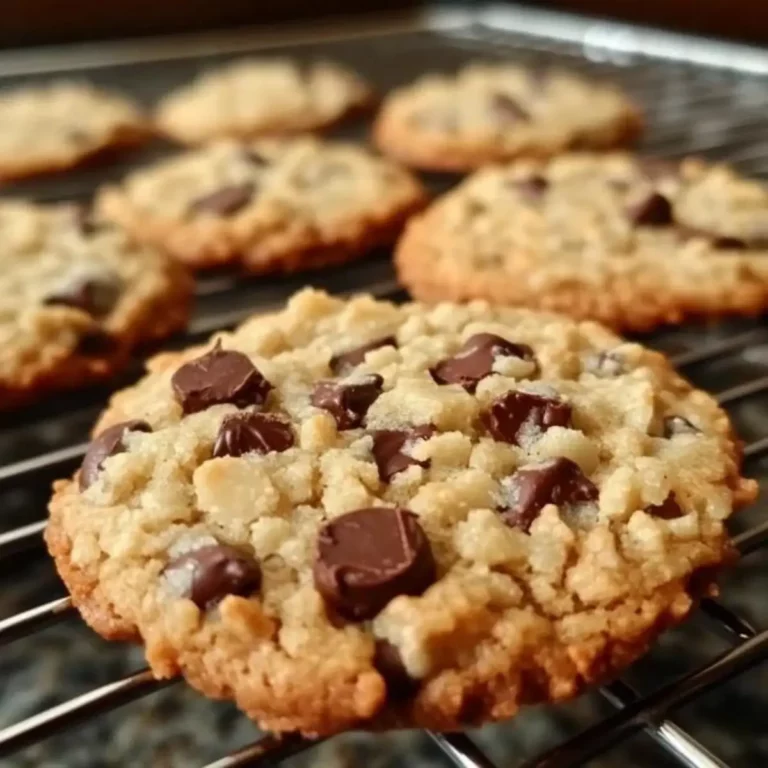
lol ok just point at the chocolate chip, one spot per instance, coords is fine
(669, 509)
(387, 661)
(219, 376)
(346, 361)
(214, 571)
(677, 425)
(721, 242)
(390, 449)
(250, 432)
(726, 243)
(652, 211)
(94, 294)
(474, 361)
(533, 188)
(347, 402)
(108, 443)
(517, 416)
(606, 364)
(225, 201)
(558, 481)
(368, 557)
(509, 109)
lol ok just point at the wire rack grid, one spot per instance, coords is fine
(700, 97)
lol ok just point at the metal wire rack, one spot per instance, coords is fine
(700, 96)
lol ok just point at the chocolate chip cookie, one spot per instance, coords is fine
(270, 205)
(352, 514)
(262, 97)
(495, 112)
(55, 127)
(634, 243)
(76, 297)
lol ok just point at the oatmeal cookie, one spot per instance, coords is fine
(76, 297)
(495, 112)
(55, 127)
(256, 97)
(355, 514)
(633, 243)
(271, 205)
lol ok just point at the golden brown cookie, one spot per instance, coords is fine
(352, 514)
(272, 206)
(57, 126)
(262, 97)
(76, 298)
(633, 243)
(489, 113)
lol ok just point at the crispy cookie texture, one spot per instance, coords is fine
(488, 113)
(55, 127)
(271, 205)
(76, 298)
(632, 242)
(253, 98)
(408, 565)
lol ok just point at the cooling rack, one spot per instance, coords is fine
(700, 96)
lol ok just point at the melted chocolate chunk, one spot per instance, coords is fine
(474, 361)
(346, 361)
(368, 557)
(669, 509)
(508, 109)
(215, 571)
(725, 243)
(108, 443)
(606, 364)
(652, 211)
(347, 402)
(219, 376)
(677, 425)
(94, 294)
(515, 416)
(390, 448)
(249, 432)
(529, 490)
(225, 201)
(387, 661)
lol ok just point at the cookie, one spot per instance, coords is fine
(55, 127)
(271, 205)
(350, 514)
(634, 243)
(76, 298)
(496, 112)
(256, 97)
